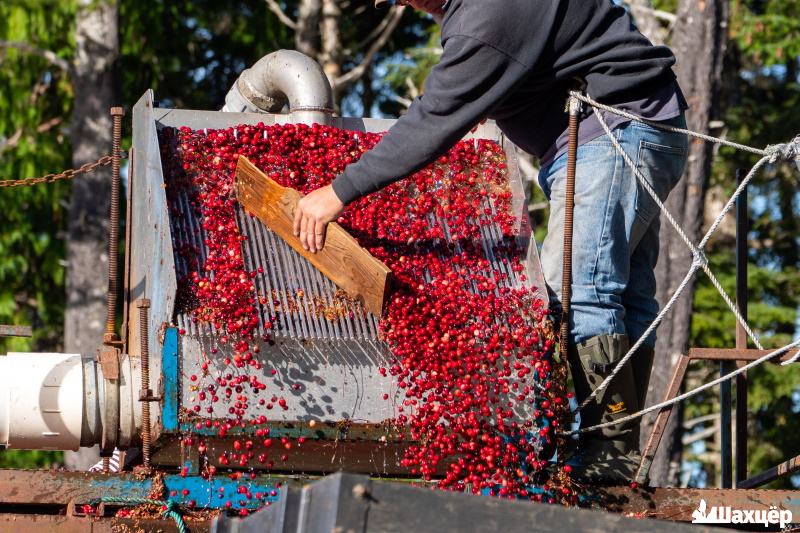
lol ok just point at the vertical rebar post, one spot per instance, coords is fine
(742, 227)
(145, 394)
(726, 460)
(569, 210)
(110, 336)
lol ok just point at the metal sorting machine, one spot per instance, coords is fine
(64, 401)
(339, 404)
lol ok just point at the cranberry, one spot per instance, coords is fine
(459, 375)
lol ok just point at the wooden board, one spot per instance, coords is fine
(341, 260)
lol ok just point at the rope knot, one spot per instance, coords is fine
(789, 151)
(699, 258)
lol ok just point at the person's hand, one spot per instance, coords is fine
(312, 215)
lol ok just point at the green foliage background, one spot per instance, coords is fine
(34, 115)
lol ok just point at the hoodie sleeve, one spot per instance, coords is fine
(461, 90)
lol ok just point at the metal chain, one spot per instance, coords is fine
(65, 175)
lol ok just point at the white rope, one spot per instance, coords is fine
(794, 359)
(732, 201)
(699, 260)
(690, 393)
(789, 151)
(597, 105)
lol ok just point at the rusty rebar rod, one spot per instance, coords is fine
(110, 336)
(145, 394)
(569, 210)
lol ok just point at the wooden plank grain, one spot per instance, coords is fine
(342, 259)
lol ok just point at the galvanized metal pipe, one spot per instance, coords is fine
(283, 78)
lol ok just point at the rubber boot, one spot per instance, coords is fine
(642, 362)
(609, 455)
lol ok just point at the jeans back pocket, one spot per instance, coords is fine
(662, 166)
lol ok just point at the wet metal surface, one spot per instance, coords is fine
(326, 368)
(49, 491)
(678, 504)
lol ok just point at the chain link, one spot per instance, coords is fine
(65, 175)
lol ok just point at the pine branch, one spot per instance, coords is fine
(281, 14)
(355, 74)
(49, 55)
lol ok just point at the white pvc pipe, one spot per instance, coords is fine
(41, 401)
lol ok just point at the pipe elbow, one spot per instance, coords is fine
(285, 78)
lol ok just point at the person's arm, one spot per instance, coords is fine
(469, 81)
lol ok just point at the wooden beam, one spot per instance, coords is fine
(342, 259)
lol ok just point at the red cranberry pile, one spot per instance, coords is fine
(482, 396)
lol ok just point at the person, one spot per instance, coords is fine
(514, 61)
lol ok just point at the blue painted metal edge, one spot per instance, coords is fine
(171, 374)
(171, 404)
(200, 493)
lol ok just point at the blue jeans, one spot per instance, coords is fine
(616, 226)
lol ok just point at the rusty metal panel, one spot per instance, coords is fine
(25, 491)
(41, 523)
(36, 523)
(314, 457)
(678, 504)
(51, 488)
(56, 492)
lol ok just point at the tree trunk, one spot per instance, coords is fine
(307, 36)
(331, 56)
(646, 21)
(94, 83)
(701, 25)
